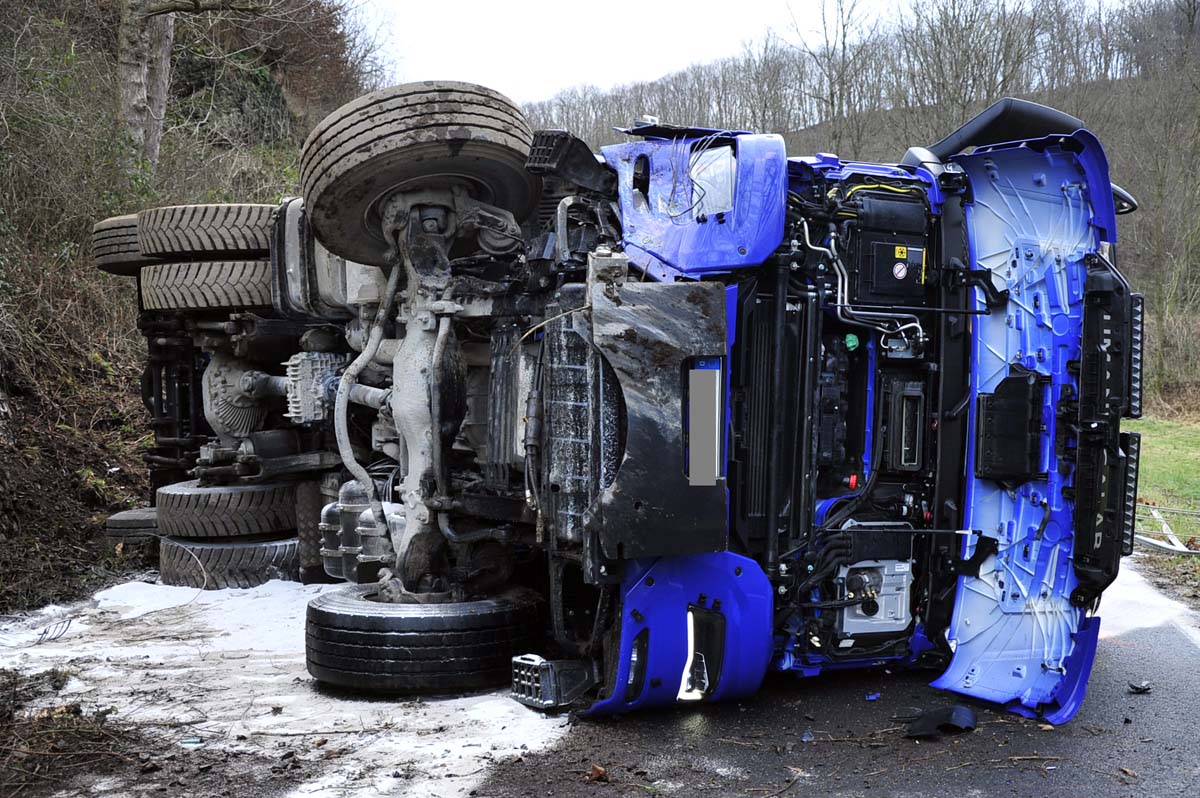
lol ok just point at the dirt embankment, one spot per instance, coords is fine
(65, 465)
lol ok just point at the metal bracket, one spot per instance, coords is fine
(978, 278)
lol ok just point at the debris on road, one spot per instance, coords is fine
(947, 720)
(1140, 688)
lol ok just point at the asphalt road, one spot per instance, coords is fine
(1120, 744)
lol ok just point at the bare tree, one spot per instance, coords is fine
(144, 42)
(320, 51)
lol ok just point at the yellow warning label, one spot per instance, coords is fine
(902, 253)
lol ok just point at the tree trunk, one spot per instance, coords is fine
(143, 78)
(133, 45)
(158, 81)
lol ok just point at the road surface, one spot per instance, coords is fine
(1120, 744)
(219, 676)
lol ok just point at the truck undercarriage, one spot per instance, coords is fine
(633, 428)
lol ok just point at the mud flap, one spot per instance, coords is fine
(1040, 222)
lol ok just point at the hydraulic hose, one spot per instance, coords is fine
(341, 410)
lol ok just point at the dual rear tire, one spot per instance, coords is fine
(191, 257)
(236, 536)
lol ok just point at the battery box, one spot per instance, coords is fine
(892, 263)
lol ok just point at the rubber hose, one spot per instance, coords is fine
(341, 410)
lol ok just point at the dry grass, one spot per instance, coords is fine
(45, 743)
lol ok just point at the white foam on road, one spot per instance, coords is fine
(1133, 603)
(229, 665)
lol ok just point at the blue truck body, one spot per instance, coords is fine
(1038, 217)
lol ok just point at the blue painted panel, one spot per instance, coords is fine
(1034, 216)
(661, 234)
(655, 596)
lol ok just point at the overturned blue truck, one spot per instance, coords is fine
(635, 428)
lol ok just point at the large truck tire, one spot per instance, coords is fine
(187, 510)
(115, 246)
(355, 642)
(227, 564)
(207, 285)
(132, 535)
(206, 231)
(411, 136)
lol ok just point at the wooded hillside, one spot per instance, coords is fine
(238, 86)
(869, 89)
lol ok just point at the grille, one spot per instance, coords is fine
(1131, 444)
(1137, 324)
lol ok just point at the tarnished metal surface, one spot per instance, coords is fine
(648, 333)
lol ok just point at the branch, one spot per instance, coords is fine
(200, 6)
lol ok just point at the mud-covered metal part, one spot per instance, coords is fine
(574, 459)
(615, 437)
(331, 552)
(559, 154)
(308, 281)
(495, 228)
(310, 375)
(264, 456)
(503, 406)
(172, 394)
(425, 365)
(231, 405)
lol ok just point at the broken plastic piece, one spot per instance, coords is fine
(948, 720)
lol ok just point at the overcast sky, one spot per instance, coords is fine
(532, 49)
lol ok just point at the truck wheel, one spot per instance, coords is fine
(132, 535)
(355, 642)
(405, 137)
(206, 231)
(115, 246)
(207, 285)
(187, 510)
(216, 566)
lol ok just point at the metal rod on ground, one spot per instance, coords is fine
(1167, 547)
(1166, 528)
(1170, 510)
